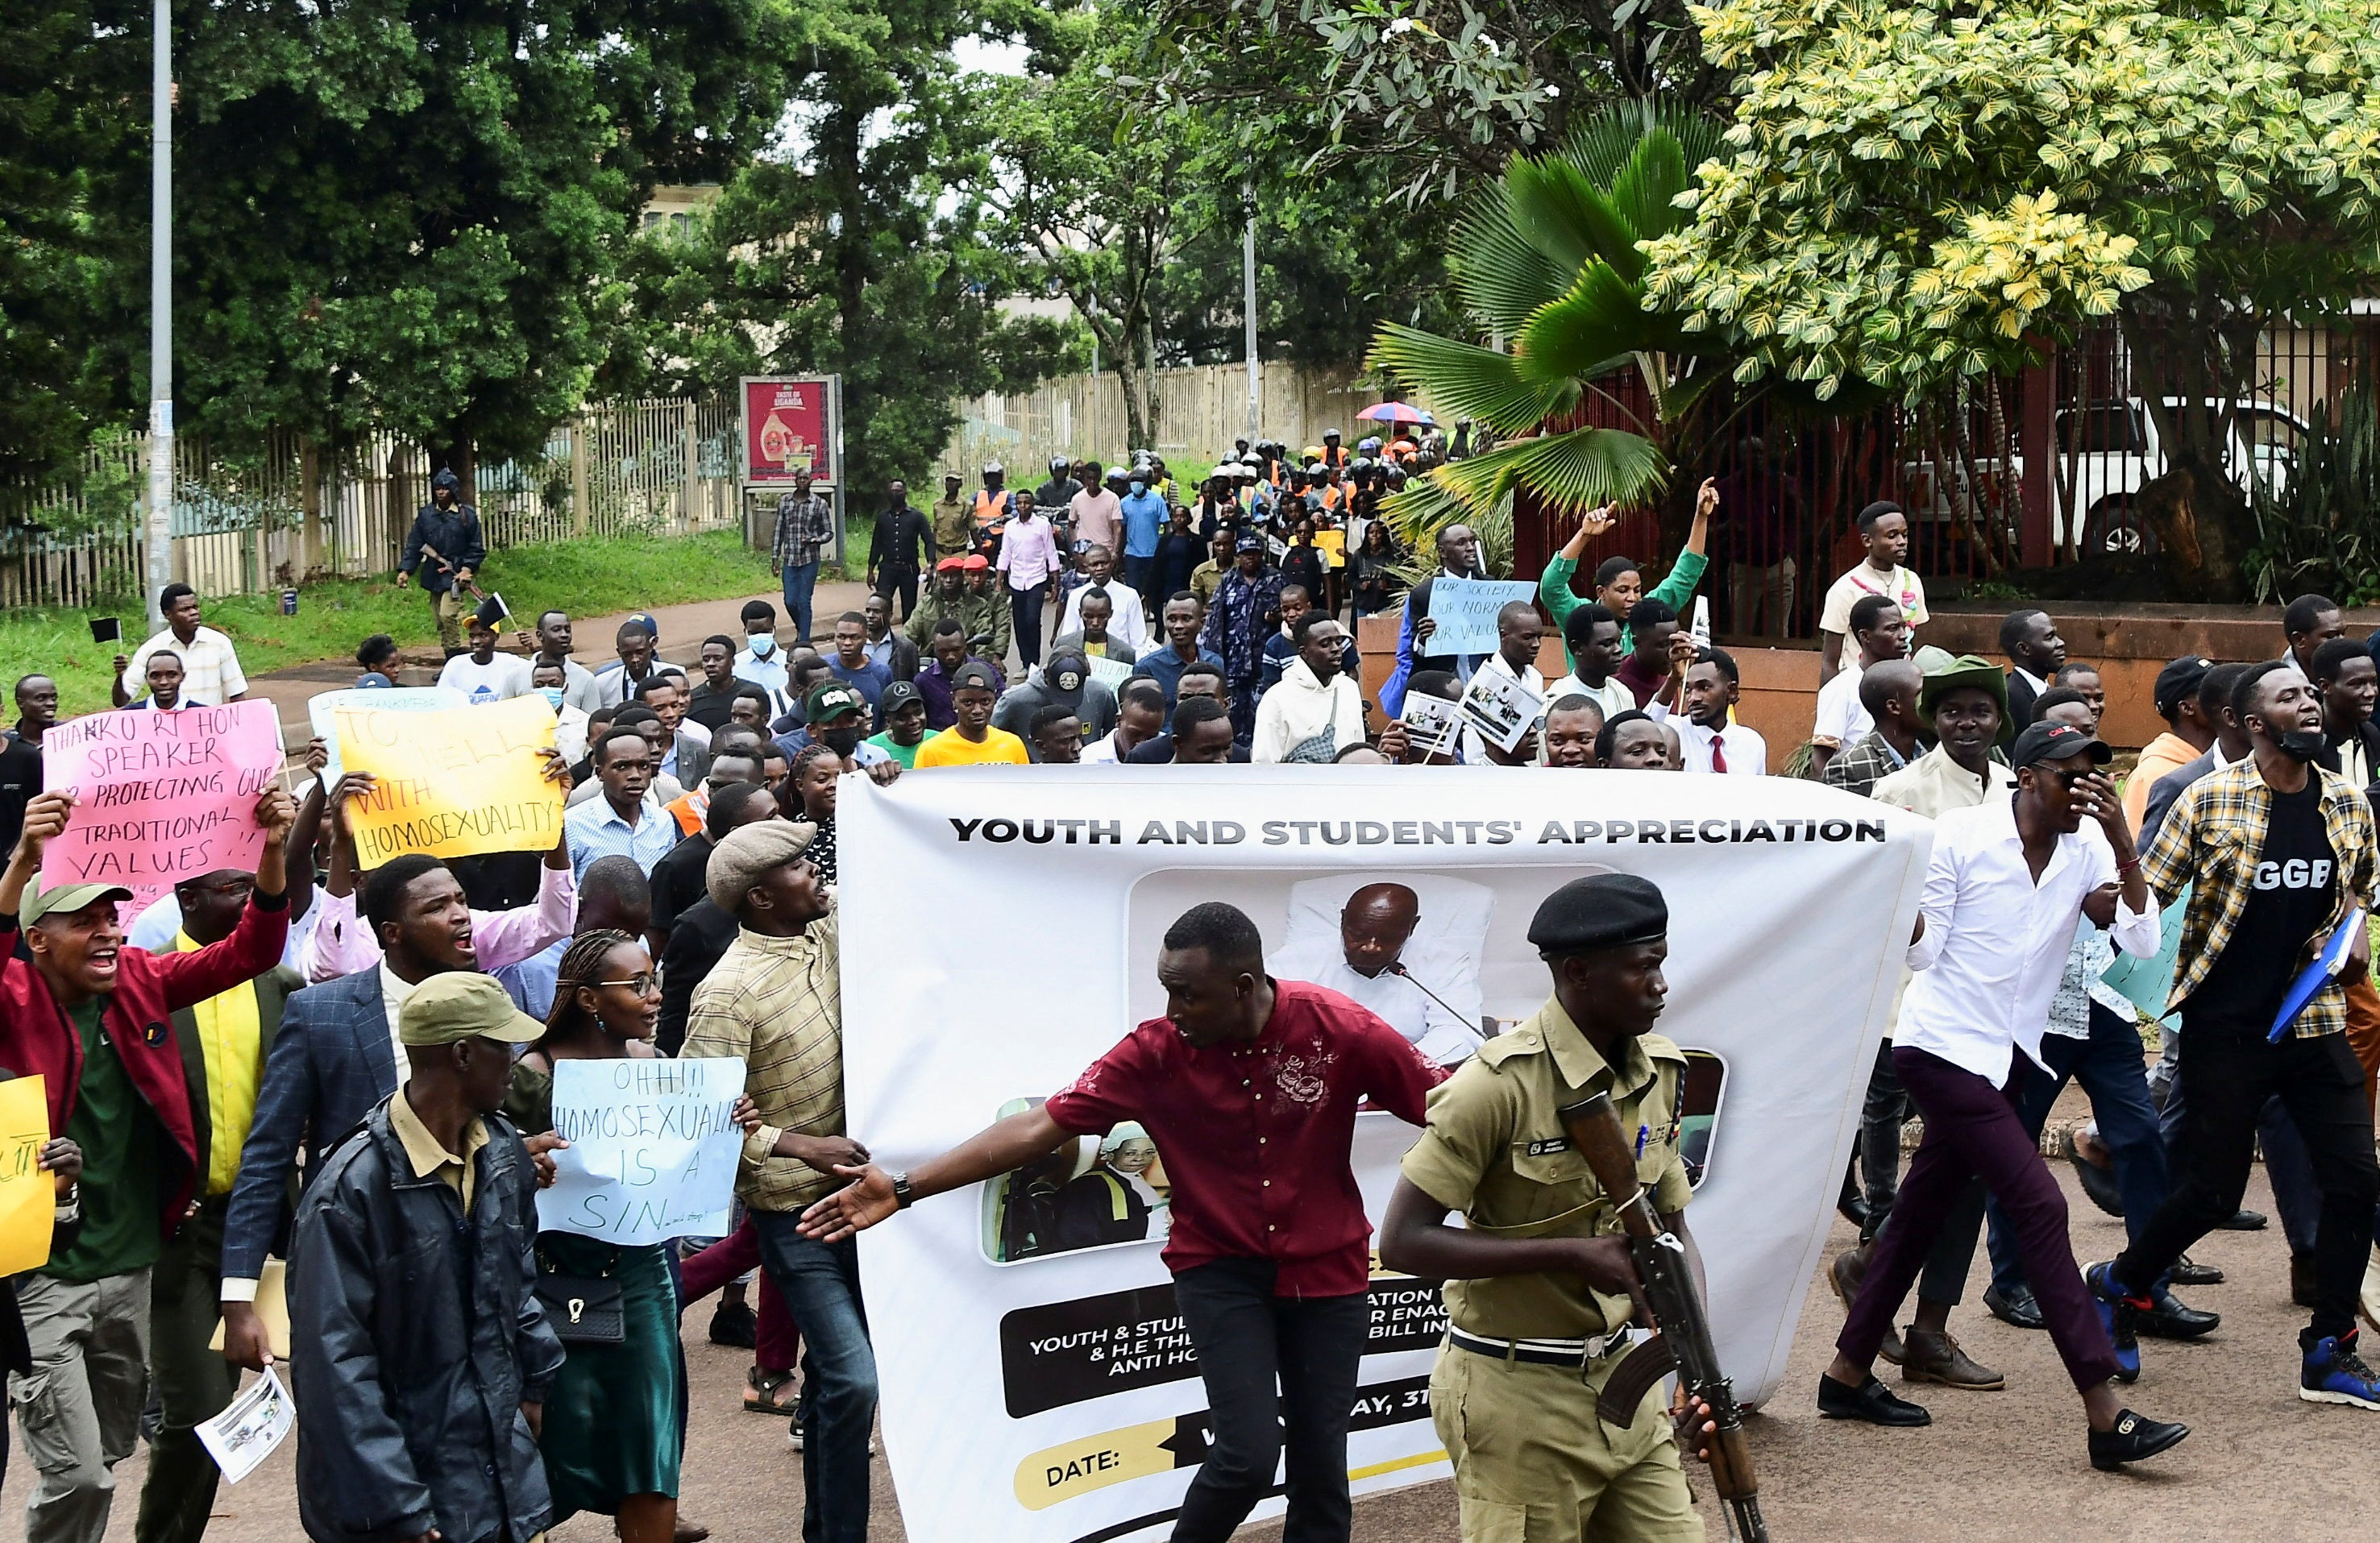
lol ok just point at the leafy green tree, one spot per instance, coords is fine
(857, 247)
(410, 215)
(1918, 191)
(64, 163)
(1549, 266)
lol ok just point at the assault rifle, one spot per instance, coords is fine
(1681, 1341)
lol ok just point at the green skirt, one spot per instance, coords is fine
(612, 1416)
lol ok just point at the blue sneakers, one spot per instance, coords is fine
(2336, 1374)
(2118, 1314)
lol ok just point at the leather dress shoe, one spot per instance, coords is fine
(1845, 1275)
(2099, 1183)
(2188, 1272)
(1935, 1358)
(2243, 1220)
(1856, 1211)
(2133, 1437)
(2173, 1321)
(2016, 1308)
(1871, 1401)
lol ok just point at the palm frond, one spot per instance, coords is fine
(1569, 471)
(1602, 143)
(1423, 509)
(1655, 175)
(1566, 217)
(1500, 279)
(1595, 328)
(1465, 380)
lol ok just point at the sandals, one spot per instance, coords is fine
(768, 1392)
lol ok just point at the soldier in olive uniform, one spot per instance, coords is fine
(1539, 1279)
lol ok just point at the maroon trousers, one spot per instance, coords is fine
(1972, 1131)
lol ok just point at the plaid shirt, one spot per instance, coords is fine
(803, 526)
(1867, 761)
(2211, 842)
(777, 1002)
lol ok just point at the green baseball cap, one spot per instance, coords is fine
(62, 900)
(461, 1005)
(830, 700)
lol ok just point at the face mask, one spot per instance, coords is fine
(1138, 489)
(842, 742)
(553, 695)
(762, 645)
(2302, 744)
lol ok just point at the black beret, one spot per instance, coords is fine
(1601, 911)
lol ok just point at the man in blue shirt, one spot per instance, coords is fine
(1181, 618)
(1144, 521)
(850, 664)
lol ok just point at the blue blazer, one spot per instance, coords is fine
(330, 1067)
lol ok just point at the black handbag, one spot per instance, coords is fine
(584, 1309)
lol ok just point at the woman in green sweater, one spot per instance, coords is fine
(1619, 583)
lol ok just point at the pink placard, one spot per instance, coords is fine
(160, 797)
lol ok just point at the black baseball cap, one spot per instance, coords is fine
(899, 694)
(2057, 742)
(2177, 681)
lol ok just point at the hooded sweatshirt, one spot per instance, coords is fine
(1085, 698)
(1302, 720)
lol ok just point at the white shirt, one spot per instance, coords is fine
(1130, 622)
(500, 678)
(1611, 696)
(210, 672)
(1475, 747)
(1746, 752)
(1404, 1006)
(1103, 752)
(1842, 721)
(393, 990)
(1997, 940)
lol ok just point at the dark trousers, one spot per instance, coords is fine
(1141, 574)
(1024, 611)
(2286, 1167)
(821, 1284)
(1973, 1132)
(1874, 1171)
(1279, 1373)
(894, 583)
(2108, 1066)
(194, 1383)
(1244, 709)
(2229, 1070)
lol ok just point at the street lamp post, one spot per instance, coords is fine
(1248, 304)
(158, 547)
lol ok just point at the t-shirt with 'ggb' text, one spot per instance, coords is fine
(2288, 900)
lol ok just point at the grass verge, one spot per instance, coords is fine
(588, 578)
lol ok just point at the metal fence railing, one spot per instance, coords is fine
(294, 508)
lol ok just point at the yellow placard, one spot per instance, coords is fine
(1333, 544)
(29, 1198)
(271, 1305)
(452, 784)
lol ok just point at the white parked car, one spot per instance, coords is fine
(2106, 453)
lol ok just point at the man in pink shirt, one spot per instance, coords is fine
(1028, 559)
(1248, 1087)
(1097, 512)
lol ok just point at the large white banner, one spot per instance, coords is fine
(1001, 931)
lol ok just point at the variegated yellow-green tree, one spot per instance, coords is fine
(1915, 189)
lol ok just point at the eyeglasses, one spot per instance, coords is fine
(644, 983)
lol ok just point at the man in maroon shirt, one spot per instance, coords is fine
(1249, 1087)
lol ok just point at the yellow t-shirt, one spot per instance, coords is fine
(948, 749)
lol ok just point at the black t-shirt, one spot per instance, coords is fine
(21, 779)
(2292, 894)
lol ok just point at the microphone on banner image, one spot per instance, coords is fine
(1398, 968)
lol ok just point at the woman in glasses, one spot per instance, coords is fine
(614, 1423)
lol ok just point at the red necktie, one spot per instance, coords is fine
(1718, 754)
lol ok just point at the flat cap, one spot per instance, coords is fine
(1601, 911)
(458, 1005)
(742, 855)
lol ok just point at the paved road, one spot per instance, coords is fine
(1994, 1466)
